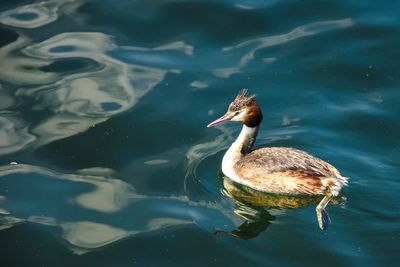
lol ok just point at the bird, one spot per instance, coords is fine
(276, 170)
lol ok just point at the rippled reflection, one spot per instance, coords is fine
(20, 69)
(82, 100)
(14, 134)
(95, 87)
(70, 201)
(259, 209)
(38, 14)
(199, 152)
(247, 49)
(33, 15)
(79, 100)
(90, 235)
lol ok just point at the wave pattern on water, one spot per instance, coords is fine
(74, 197)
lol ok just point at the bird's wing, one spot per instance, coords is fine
(285, 170)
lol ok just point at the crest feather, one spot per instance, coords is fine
(243, 93)
(244, 96)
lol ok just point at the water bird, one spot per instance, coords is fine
(277, 170)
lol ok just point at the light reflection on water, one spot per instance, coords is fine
(79, 100)
(96, 190)
(14, 134)
(33, 15)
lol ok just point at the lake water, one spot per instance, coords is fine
(105, 158)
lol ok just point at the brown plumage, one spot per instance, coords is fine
(275, 169)
(288, 170)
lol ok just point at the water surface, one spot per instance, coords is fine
(105, 159)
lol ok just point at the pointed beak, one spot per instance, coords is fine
(226, 117)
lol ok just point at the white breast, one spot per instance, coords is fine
(234, 153)
(227, 164)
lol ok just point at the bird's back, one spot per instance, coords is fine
(288, 171)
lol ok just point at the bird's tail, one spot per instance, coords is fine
(333, 185)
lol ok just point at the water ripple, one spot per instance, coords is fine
(14, 134)
(248, 48)
(78, 100)
(35, 15)
(75, 198)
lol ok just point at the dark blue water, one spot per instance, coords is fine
(106, 160)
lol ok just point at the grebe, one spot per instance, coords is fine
(278, 170)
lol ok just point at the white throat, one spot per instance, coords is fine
(234, 153)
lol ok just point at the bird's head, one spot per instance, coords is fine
(243, 109)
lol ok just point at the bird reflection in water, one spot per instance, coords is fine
(253, 206)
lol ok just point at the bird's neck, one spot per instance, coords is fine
(240, 148)
(245, 141)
